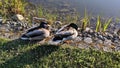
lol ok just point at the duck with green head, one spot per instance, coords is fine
(37, 33)
(66, 33)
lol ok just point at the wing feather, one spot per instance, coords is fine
(35, 33)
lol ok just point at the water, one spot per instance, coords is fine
(107, 8)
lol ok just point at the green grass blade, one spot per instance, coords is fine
(85, 20)
(98, 24)
(107, 23)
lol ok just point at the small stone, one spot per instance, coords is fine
(89, 35)
(37, 19)
(117, 48)
(18, 17)
(87, 29)
(116, 41)
(100, 37)
(99, 41)
(117, 44)
(6, 35)
(85, 34)
(88, 40)
(107, 42)
(97, 47)
(12, 24)
(95, 34)
(78, 39)
(83, 46)
(7, 30)
(19, 24)
(20, 28)
(107, 49)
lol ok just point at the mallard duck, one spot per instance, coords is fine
(66, 33)
(37, 33)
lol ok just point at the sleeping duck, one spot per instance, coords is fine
(66, 33)
(37, 33)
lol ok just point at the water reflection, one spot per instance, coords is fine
(101, 7)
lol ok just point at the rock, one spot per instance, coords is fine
(116, 41)
(18, 17)
(95, 34)
(115, 37)
(20, 28)
(7, 35)
(99, 41)
(97, 47)
(7, 30)
(16, 26)
(117, 48)
(20, 23)
(84, 34)
(107, 49)
(88, 40)
(14, 23)
(89, 35)
(88, 30)
(117, 28)
(78, 39)
(25, 25)
(100, 37)
(83, 46)
(107, 42)
(4, 29)
(109, 35)
(38, 20)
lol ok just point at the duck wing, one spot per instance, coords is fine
(32, 29)
(62, 34)
(35, 33)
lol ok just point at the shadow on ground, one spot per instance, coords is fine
(30, 56)
(15, 44)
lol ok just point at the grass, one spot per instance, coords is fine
(9, 8)
(22, 54)
(106, 24)
(85, 20)
(102, 27)
(98, 24)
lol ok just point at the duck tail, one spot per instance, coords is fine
(57, 38)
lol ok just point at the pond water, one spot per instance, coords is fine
(107, 8)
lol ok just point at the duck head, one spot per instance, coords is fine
(44, 25)
(73, 25)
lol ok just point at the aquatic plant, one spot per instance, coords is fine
(106, 24)
(101, 26)
(85, 20)
(98, 24)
